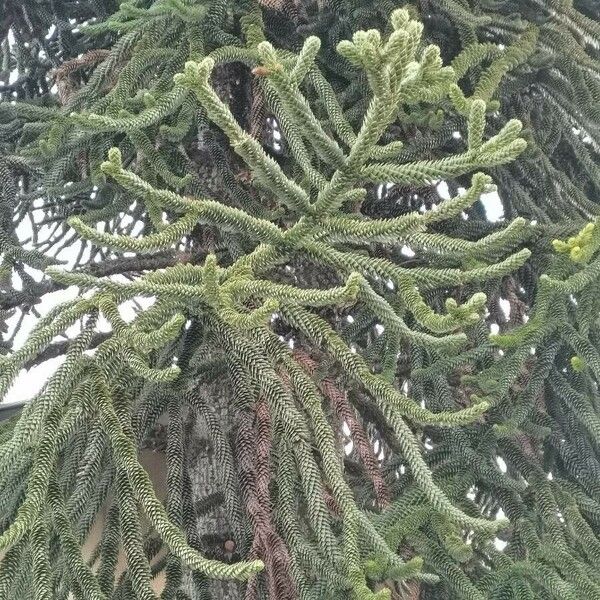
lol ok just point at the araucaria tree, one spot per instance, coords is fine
(361, 384)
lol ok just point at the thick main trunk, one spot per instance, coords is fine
(206, 477)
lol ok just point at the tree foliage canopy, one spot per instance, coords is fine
(408, 403)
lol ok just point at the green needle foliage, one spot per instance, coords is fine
(270, 179)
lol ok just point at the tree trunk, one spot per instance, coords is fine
(206, 477)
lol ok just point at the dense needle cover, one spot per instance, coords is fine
(393, 395)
